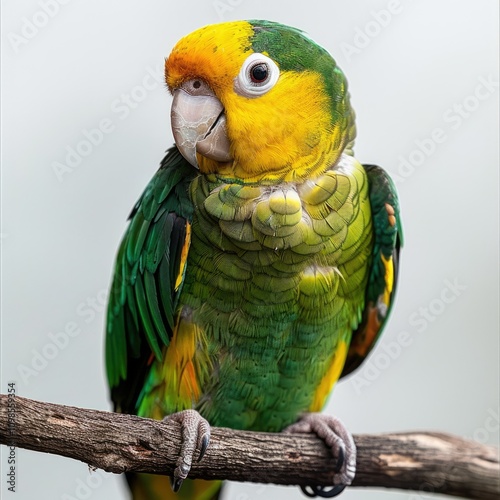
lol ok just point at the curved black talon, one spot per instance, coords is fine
(203, 447)
(340, 459)
(175, 483)
(321, 491)
(307, 493)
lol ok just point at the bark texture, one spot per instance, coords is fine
(421, 461)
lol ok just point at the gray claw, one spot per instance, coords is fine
(335, 435)
(195, 436)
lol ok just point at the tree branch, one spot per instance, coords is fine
(425, 461)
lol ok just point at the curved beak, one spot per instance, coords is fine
(199, 126)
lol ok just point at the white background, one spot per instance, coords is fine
(410, 75)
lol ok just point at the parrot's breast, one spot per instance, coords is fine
(274, 286)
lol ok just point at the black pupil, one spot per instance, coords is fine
(259, 73)
(196, 84)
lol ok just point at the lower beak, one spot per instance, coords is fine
(199, 126)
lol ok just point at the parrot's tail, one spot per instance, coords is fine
(156, 487)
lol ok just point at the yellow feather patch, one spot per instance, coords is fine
(290, 143)
(330, 378)
(389, 279)
(184, 255)
(176, 382)
(181, 368)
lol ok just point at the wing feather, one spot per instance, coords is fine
(144, 291)
(384, 266)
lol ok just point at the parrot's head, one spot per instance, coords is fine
(257, 101)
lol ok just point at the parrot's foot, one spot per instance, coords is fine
(195, 436)
(335, 435)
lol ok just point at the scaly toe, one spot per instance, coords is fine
(195, 436)
(335, 435)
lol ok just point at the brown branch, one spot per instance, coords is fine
(429, 462)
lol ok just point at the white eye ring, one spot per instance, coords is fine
(257, 76)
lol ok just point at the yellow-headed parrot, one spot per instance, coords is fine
(260, 262)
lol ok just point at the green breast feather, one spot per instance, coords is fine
(242, 300)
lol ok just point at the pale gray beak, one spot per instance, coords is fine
(199, 123)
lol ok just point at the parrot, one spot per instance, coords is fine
(260, 263)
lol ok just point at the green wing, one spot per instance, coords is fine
(383, 274)
(148, 277)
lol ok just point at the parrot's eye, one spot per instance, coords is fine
(258, 74)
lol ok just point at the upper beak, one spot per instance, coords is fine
(199, 126)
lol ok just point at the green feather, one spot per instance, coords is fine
(293, 50)
(154, 308)
(141, 305)
(387, 240)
